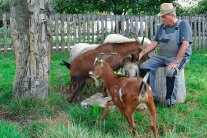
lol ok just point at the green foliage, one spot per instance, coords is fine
(200, 9)
(119, 7)
(95, 6)
(150, 7)
(4, 6)
(72, 6)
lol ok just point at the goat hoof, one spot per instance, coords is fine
(134, 132)
(70, 100)
(103, 118)
(104, 96)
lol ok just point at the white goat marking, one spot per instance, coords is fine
(145, 78)
(95, 61)
(120, 95)
(101, 63)
(141, 106)
(143, 97)
(150, 88)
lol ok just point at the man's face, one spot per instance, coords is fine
(167, 19)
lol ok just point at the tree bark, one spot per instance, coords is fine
(30, 33)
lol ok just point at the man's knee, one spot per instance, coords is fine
(144, 65)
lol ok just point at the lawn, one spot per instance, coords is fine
(54, 117)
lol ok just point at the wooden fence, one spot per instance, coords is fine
(70, 29)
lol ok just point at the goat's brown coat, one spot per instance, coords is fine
(83, 64)
(126, 94)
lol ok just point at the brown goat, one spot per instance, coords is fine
(126, 93)
(80, 67)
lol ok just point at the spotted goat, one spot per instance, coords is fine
(126, 93)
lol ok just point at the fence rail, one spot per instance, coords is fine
(69, 29)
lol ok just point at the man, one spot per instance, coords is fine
(174, 38)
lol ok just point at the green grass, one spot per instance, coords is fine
(54, 117)
(9, 129)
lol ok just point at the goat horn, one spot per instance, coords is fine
(108, 55)
(142, 41)
(135, 36)
(113, 53)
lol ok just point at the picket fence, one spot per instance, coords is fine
(69, 29)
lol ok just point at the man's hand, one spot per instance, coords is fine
(172, 65)
(141, 54)
(148, 49)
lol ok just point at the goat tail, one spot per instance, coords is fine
(66, 64)
(144, 81)
(143, 89)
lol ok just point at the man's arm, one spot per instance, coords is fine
(182, 51)
(180, 55)
(148, 49)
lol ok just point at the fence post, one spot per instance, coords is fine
(199, 32)
(203, 32)
(57, 32)
(5, 34)
(62, 19)
(97, 32)
(93, 24)
(68, 32)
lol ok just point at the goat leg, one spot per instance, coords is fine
(106, 110)
(104, 92)
(151, 108)
(131, 123)
(88, 87)
(129, 118)
(75, 88)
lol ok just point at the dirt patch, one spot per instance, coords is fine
(16, 118)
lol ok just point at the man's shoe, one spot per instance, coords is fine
(156, 99)
(169, 103)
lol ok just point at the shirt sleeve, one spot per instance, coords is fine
(157, 35)
(185, 32)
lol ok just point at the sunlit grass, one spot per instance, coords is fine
(55, 117)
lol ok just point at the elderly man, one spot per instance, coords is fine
(174, 38)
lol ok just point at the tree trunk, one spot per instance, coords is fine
(30, 35)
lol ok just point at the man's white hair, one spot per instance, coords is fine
(174, 13)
